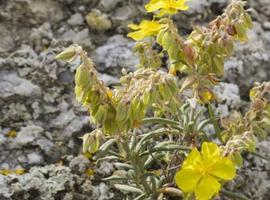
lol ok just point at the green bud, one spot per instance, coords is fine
(67, 55)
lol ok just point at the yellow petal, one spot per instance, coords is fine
(133, 26)
(138, 35)
(165, 11)
(207, 188)
(187, 179)
(210, 151)
(144, 29)
(193, 159)
(224, 169)
(154, 5)
(150, 26)
(181, 5)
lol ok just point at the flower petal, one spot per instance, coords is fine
(138, 35)
(187, 179)
(181, 5)
(194, 158)
(150, 26)
(154, 5)
(144, 29)
(210, 151)
(165, 11)
(134, 26)
(224, 169)
(207, 188)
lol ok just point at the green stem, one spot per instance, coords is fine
(215, 123)
(234, 195)
(158, 120)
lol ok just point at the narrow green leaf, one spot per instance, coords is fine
(127, 189)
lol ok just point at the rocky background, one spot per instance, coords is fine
(40, 121)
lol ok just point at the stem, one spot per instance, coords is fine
(215, 123)
(158, 120)
(234, 195)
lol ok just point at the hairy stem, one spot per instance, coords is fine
(215, 123)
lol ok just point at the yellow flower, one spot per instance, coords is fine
(166, 6)
(144, 29)
(201, 172)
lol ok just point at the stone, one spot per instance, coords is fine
(228, 98)
(76, 20)
(79, 164)
(108, 5)
(250, 63)
(5, 192)
(108, 80)
(49, 183)
(66, 77)
(76, 125)
(27, 135)
(83, 38)
(42, 36)
(2, 139)
(63, 119)
(118, 53)
(11, 84)
(34, 158)
(122, 13)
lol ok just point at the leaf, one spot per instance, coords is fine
(127, 189)
(158, 132)
(237, 159)
(146, 98)
(114, 178)
(172, 85)
(241, 32)
(160, 36)
(122, 113)
(218, 65)
(109, 124)
(166, 40)
(123, 165)
(100, 115)
(173, 52)
(204, 123)
(253, 93)
(189, 81)
(140, 197)
(165, 91)
(91, 141)
(103, 149)
(248, 21)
